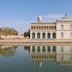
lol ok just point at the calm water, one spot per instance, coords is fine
(35, 58)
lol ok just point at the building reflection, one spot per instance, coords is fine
(64, 54)
(59, 54)
(6, 50)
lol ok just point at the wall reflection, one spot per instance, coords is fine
(59, 54)
(7, 50)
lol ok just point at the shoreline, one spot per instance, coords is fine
(34, 42)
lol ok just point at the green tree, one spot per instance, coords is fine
(27, 34)
(8, 31)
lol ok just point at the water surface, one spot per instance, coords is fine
(36, 58)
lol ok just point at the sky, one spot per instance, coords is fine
(19, 14)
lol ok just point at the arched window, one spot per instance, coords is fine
(33, 48)
(38, 48)
(33, 35)
(54, 35)
(43, 35)
(48, 48)
(62, 34)
(54, 48)
(38, 35)
(52, 27)
(49, 35)
(43, 48)
(62, 26)
(47, 27)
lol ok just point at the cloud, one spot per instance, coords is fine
(52, 17)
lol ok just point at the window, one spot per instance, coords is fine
(62, 26)
(38, 35)
(43, 35)
(31, 27)
(43, 48)
(62, 34)
(38, 48)
(48, 48)
(33, 48)
(54, 35)
(33, 35)
(49, 35)
(54, 48)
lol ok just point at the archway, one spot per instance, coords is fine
(38, 35)
(33, 35)
(49, 35)
(43, 35)
(54, 35)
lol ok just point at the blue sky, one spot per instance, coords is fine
(20, 13)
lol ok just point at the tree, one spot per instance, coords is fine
(8, 31)
(27, 34)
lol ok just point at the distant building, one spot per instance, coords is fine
(61, 29)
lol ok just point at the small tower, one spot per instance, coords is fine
(39, 18)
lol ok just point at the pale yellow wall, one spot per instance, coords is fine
(67, 35)
(67, 30)
(65, 55)
(66, 49)
(66, 25)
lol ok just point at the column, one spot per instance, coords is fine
(35, 49)
(51, 35)
(51, 49)
(40, 35)
(30, 49)
(41, 50)
(35, 35)
(46, 50)
(46, 35)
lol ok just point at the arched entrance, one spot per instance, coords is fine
(54, 35)
(33, 35)
(38, 35)
(49, 35)
(43, 35)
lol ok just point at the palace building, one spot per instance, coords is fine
(61, 54)
(60, 29)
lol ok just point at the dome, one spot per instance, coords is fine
(65, 18)
(39, 19)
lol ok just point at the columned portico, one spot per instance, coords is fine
(61, 29)
(43, 35)
(42, 49)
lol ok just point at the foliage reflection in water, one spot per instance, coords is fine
(36, 58)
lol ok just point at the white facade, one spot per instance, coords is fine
(61, 29)
(61, 53)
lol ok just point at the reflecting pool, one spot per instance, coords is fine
(36, 58)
